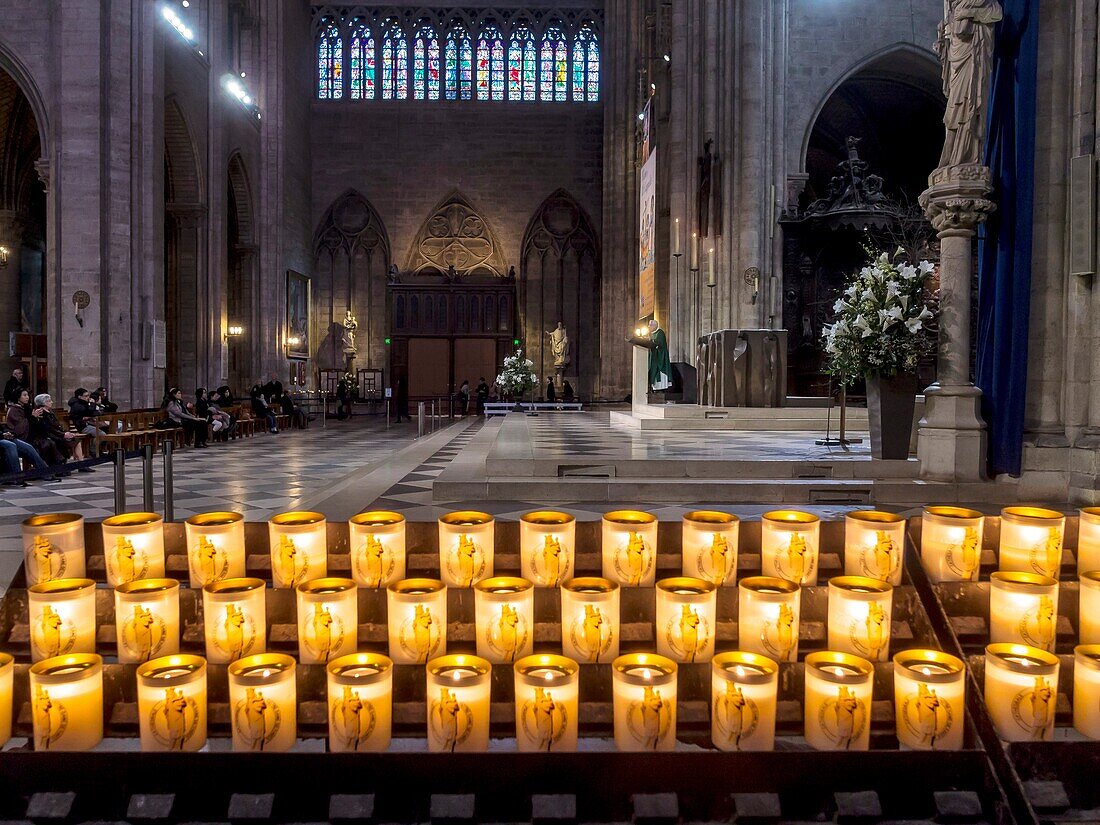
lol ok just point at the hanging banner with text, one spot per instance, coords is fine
(647, 237)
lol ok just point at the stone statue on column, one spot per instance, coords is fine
(559, 349)
(347, 340)
(951, 440)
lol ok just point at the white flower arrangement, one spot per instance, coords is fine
(518, 375)
(882, 320)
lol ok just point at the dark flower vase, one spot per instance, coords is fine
(890, 405)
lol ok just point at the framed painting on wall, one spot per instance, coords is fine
(297, 315)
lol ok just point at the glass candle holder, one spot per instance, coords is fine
(743, 701)
(147, 619)
(874, 545)
(629, 548)
(546, 703)
(859, 616)
(328, 620)
(133, 547)
(929, 700)
(1021, 691)
(417, 620)
(1088, 540)
(1086, 690)
(299, 548)
(172, 703)
(789, 542)
(644, 693)
(377, 540)
(458, 704)
(686, 619)
(547, 543)
(263, 703)
(234, 619)
(360, 702)
(951, 543)
(53, 547)
(215, 547)
(465, 548)
(61, 614)
(768, 611)
(1023, 609)
(1088, 619)
(709, 541)
(7, 678)
(504, 617)
(66, 697)
(1031, 541)
(590, 619)
(838, 701)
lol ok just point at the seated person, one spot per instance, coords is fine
(102, 402)
(288, 407)
(194, 428)
(261, 409)
(13, 450)
(82, 415)
(53, 442)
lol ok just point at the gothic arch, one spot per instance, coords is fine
(241, 199)
(351, 259)
(183, 181)
(455, 234)
(560, 281)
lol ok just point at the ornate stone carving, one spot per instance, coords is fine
(455, 238)
(42, 167)
(956, 201)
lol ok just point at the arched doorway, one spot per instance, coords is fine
(23, 231)
(241, 299)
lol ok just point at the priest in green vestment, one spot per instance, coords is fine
(660, 368)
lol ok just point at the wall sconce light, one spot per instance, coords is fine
(234, 331)
(4, 251)
(81, 301)
(293, 341)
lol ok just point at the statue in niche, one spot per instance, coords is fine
(451, 275)
(702, 194)
(965, 47)
(394, 275)
(511, 276)
(347, 342)
(559, 346)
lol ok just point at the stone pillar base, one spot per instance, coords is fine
(951, 439)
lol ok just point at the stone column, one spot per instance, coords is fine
(951, 439)
(12, 226)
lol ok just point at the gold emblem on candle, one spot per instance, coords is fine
(871, 635)
(1045, 557)
(451, 720)
(51, 719)
(467, 563)
(795, 562)
(420, 635)
(353, 719)
(256, 719)
(324, 632)
(650, 720)
(1037, 626)
(778, 637)
(544, 720)
(926, 716)
(842, 719)
(963, 558)
(129, 563)
(714, 564)
(882, 561)
(49, 561)
(687, 633)
(736, 715)
(143, 633)
(174, 719)
(52, 635)
(591, 634)
(236, 633)
(634, 559)
(1033, 709)
(507, 634)
(212, 561)
(292, 565)
(374, 563)
(546, 564)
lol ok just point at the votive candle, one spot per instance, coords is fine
(299, 547)
(1088, 540)
(147, 619)
(7, 679)
(417, 620)
(133, 547)
(644, 693)
(860, 611)
(53, 547)
(1031, 540)
(215, 547)
(768, 611)
(458, 704)
(838, 701)
(1088, 618)
(360, 701)
(504, 617)
(377, 540)
(172, 703)
(686, 618)
(1086, 690)
(929, 700)
(951, 543)
(874, 545)
(328, 620)
(709, 542)
(546, 703)
(547, 543)
(590, 619)
(1021, 691)
(465, 547)
(234, 619)
(1023, 609)
(66, 697)
(743, 701)
(61, 614)
(789, 542)
(630, 547)
(263, 702)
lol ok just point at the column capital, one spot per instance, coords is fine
(956, 199)
(42, 167)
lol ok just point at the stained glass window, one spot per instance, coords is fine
(521, 64)
(330, 64)
(426, 64)
(361, 63)
(458, 62)
(490, 64)
(395, 63)
(586, 65)
(553, 65)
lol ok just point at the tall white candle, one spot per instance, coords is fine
(360, 699)
(644, 694)
(53, 547)
(590, 619)
(860, 613)
(685, 619)
(838, 701)
(1021, 691)
(929, 700)
(676, 238)
(743, 701)
(377, 541)
(546, 703)
(710, 268)
(709, 542)
(1023, 609)
(789, 541)
(951, 543)
(694, 252)
(768, 617)
(874, 545)
(1031, 540)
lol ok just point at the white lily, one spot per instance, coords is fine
(914, 325)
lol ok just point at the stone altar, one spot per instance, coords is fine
(742, 368)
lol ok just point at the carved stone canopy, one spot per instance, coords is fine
(455, 235)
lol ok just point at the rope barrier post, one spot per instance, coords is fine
(147, 478)
(419, 419)
(169, 504)
(120, 482)
(387, 413)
